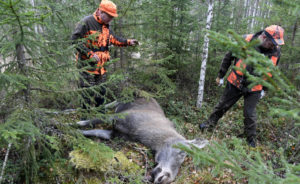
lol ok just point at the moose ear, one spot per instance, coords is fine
(199, 143)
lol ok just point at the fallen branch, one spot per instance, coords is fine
(4, 163)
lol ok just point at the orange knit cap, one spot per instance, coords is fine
(108, 7)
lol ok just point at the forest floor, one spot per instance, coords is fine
(187, 124)
(187, 119)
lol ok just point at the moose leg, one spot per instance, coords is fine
(90, 122)
(103, 134)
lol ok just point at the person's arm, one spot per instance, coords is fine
(79, 40)
(121, 42)
(227, 60)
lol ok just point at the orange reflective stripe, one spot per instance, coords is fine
(257, 88)
(274, 60)
(238, 64)
(94, 72)
(232, 78)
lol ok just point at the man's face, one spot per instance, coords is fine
(266, 42)
(106, 18)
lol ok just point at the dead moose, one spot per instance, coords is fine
(144, 121)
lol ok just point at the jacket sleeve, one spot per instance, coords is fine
(79, 40)
(117, 41)
(227, 60)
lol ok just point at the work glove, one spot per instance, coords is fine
(262, 94)
(219, 81)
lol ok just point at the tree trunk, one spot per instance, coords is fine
(269, 9)
(261, 14)
(115, 56)
(253, 15)
(122, 62)
(231, 15)
(294, 32)
(21, 60)
(21, 57)
(205, 54)
(249, 13)
(246, 4)
(35, 26)
(4, 162)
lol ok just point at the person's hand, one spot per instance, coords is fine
(96, 57)
(219, 81)
(134, 42)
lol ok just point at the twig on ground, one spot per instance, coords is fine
(142, 151)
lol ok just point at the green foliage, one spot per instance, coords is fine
(245, 164)
(145, 79)
(96, 153)
(37, 86)
(26, 131)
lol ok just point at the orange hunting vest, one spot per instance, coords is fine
(236, 76)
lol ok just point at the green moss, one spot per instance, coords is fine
(82, 160)
(92, 180)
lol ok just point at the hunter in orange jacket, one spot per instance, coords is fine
(237, 86)
(92, 37)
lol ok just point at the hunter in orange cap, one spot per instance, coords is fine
(238, 84)
(93, 37)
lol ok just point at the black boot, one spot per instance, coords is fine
(206, 126)
(251, 142)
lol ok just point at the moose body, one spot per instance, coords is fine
(144, 121)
